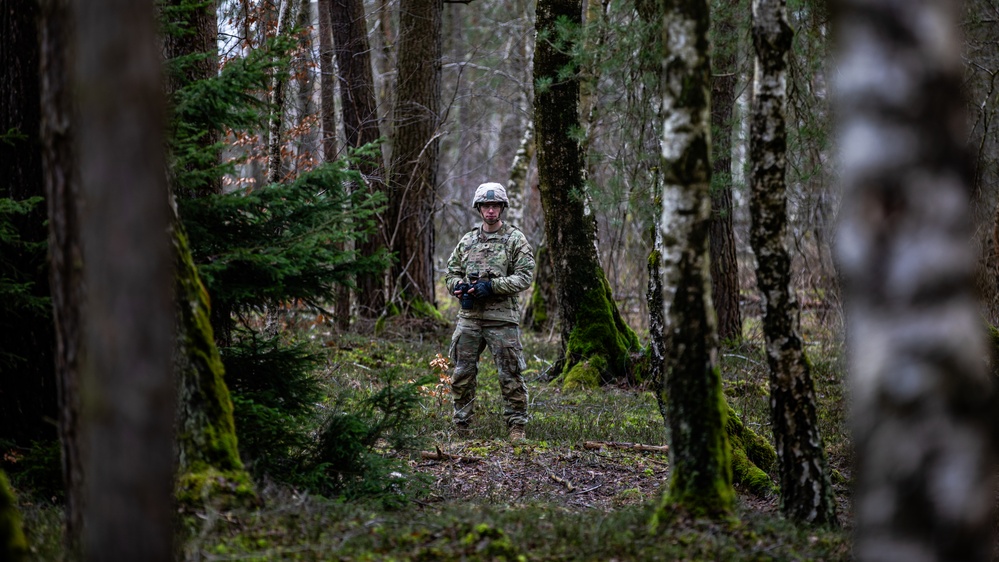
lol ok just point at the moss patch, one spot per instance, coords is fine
(583, 375)
(207, 485)
(13, 545)
(601, 337)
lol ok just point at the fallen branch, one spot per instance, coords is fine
(629, 446)
(568, 485)
(439, 455)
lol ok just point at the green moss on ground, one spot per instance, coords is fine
(13, 545)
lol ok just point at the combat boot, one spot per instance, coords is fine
(517, 433)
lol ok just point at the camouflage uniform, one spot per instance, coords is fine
(505, 258)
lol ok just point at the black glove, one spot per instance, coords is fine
(460, 288)
(482, 289)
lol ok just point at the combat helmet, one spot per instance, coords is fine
(490, 192)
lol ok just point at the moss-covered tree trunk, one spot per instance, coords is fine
(700, 463)
(923, 401)
(595, 340)
(806, 489)
(415, 155)
(360, 123)
(208, 462)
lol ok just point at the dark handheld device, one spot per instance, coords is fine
(465, 298)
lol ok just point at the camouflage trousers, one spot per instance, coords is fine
(470, 338)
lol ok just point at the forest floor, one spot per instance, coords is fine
(573, 490)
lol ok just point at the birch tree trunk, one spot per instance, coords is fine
(806, 490)
(127, 388)
(922, 419)
(700, 462)
(595, 340)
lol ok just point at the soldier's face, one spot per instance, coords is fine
(490, 212)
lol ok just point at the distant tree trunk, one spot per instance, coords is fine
(13, 545)
(724, 265)
(923, 411)
(516, 186)
(701, 477)
(327, 97)
(278, 83)
(595, 340)
(360, 123)
(415, 153)
(127, 388)
(29, 396)
(806, 489)
(62, 188)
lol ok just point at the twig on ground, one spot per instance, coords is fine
(439, 455)
(629, 446)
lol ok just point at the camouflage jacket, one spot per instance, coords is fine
(504, 257)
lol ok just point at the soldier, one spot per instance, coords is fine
(486, 270)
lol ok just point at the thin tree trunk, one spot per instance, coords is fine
(806, 490)
(360, 123)
(724, 265)
(280, 79)
(128, 392)
(923, 401)
(701, 478)
(62, 187)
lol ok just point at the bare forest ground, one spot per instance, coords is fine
(552, 497)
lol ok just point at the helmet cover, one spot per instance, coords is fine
(490, 192)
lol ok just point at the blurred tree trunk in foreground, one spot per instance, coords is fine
(805, 488)
(922, 423)
(127, 387)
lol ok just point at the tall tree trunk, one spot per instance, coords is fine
(724, 265)
(701, 477)
(62, 188)
(806, 490)
(278, 84)
(29, 395)
(595, 340)
(207, 456)
(127, 388)
(360, 123)
(327, 97)
(923, 411)
(415, 153)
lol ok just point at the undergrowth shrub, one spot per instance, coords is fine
(360, 449)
